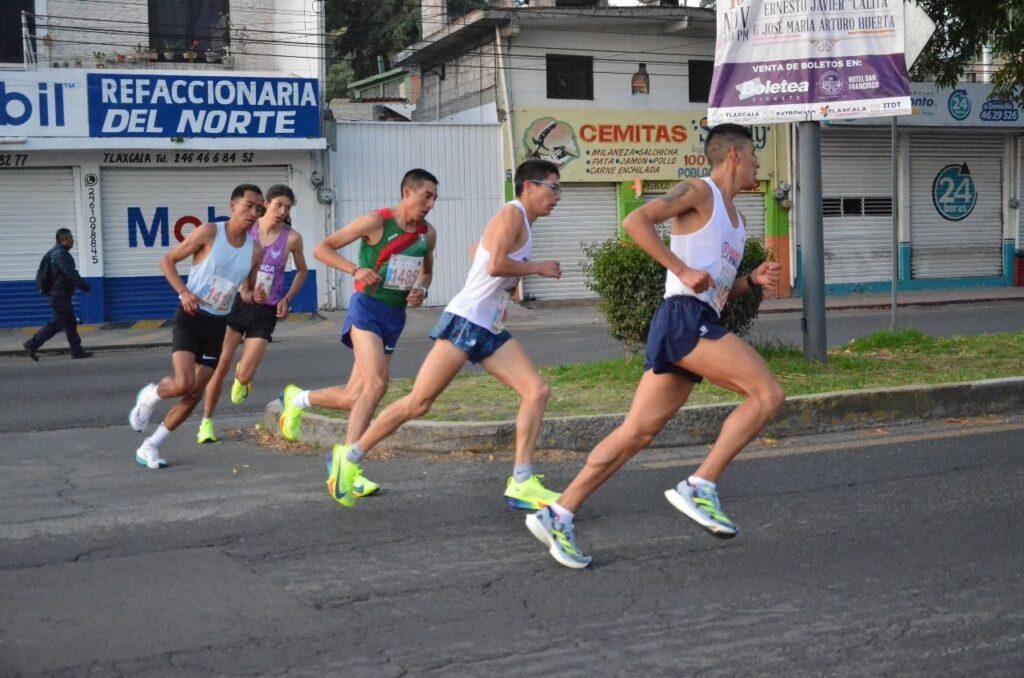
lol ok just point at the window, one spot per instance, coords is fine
(11, 45)
(570, 77)
(175, 24)
(701, 73)
(871, 206)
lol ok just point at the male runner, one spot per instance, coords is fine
(256, 322)
(471, 328)
(223, 258)
(685, 343)
(394, 270)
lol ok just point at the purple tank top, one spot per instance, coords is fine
(275, 256)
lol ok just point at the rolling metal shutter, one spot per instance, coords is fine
(587, 213)
(972, 246)
(141, 207)
(856, 173)
(34, 203)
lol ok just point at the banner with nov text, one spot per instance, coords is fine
(795, 60)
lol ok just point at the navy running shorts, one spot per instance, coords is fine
(676, 327)
(373, 315)
(476, 342)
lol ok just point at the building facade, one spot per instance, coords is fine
(133, 129)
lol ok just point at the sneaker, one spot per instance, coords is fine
(81, 355)
(701, 504)
(30, 350)
(138, 418)
(529, 494)
(290, 421)
(149, 456)
(206, 434)
(239, 392)
(341, 479)
(558, 537)
(363, 486)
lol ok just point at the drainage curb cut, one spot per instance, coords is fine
(801, 415)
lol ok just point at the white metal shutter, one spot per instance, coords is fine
(855, 163)
(587, 213)
(134, 288)
(750, 205)
(941, 248)
(368, 167)
(34, 203)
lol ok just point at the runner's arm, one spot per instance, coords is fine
(765, 275)
(641, 222)
(500, 237)
(247, 290)
(419, 291)
(326, 251)
(197, 241)
(301, 272)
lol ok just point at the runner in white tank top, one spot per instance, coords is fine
(484, 298)
(223, 259)
(471, 329)
(685, 343)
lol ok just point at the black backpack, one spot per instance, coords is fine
(44, 275)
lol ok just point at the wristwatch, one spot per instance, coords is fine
(422, 289)
(751, 283)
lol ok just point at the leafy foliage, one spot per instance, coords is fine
(362, 31)
(630, 286)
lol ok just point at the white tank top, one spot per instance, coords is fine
(716, 248)
(483, 299)
(216, 278)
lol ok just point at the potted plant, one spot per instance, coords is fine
(212, 56)
(121, 58)
(170, 49)
(191, 54)
(147, 54)
(98, 57)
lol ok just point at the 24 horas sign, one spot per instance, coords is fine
(619, 145)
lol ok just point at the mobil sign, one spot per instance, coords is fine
(42, 104)
(154, 226)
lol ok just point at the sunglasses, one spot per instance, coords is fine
(555, 188)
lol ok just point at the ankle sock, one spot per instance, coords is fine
(158, 436)
(521, 472)
(301, 400)
(697, 481)
(563, 514)
(356, 454)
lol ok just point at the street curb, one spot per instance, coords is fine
(877, 305)
(801, 415)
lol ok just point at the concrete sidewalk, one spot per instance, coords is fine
(149, 333)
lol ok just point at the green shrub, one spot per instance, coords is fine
(630, 286)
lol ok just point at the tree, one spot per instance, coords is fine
(962, 29)
(363, 30)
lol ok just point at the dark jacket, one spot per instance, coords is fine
(65, 275)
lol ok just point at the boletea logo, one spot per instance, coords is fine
(755, 87)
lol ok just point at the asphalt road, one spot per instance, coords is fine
(57, 393)
(891, 552)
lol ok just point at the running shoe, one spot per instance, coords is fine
(529, 494)
(363, 487)
(149, 456)
(558, 537)
(206, 434)
(341, 479)
(138, 418)
(701, 503)
(239, 392)
(290, 421)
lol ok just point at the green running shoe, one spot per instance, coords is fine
(290, 421)
(529, 494)
(363, 487)
(342, 477)
(206, 434)
(239, 392)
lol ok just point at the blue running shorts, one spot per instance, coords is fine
(372, 315)
(676, 327)
(476, 342)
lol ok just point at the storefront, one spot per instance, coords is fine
(959, 194)
(101, 160)
(611, 162)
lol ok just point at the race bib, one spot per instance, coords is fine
(265, 281)
(219, 295)
(403, 272)
(498, 319)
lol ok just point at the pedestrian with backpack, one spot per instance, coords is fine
(57, 278)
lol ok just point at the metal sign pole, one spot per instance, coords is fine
(894, 148)
(812, 238)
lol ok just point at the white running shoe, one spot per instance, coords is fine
(138, 418)
(149, 456)
(702, 505)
